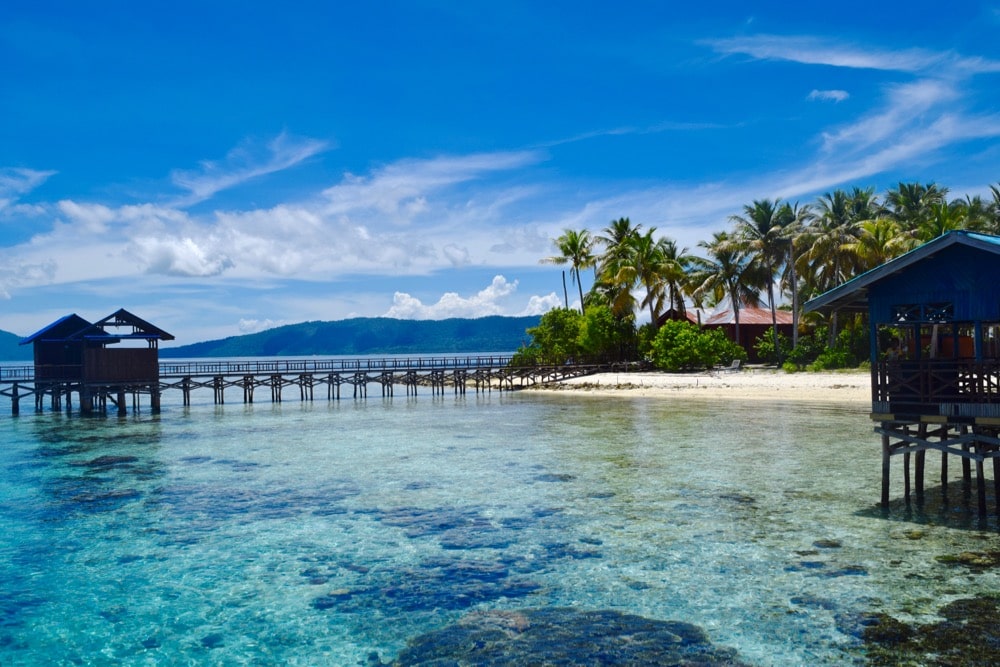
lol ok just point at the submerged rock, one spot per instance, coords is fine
(968, 637)
(976, 560)
(443, 583)
(564, 637)
(107, 461)
(827, 544)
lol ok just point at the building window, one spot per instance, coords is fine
(939, 312)
(935, 313)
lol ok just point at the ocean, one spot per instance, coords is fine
(340, 532)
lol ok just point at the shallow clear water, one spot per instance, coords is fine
(318, 533)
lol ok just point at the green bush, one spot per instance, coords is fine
(564, 335)
(553, 341)
(764, 346)
(683, 346)
(604, 337)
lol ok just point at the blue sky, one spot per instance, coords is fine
(222, 167)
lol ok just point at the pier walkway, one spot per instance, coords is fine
(275, 379)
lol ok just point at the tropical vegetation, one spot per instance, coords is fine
(777, 254)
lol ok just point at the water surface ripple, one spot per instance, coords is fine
(332, 533)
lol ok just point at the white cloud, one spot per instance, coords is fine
(906, 105)
(245, 162)
(249, 326)
(818, 51)
(94, 218)
(17, 182)
(539, 305)
(21, 181)
(402, 191)
(15, 273)
(487, 301)
(829, 95)
(178, 257)
(457, 255)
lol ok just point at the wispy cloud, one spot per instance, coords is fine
(819, 51)
(14, 183)
(924, 110)
(905, 106)
(664, 126)
(399, 192)
(248, 161)
(828, 95)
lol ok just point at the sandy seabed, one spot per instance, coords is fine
(747, 384)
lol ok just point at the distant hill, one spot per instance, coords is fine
(11, 351)
(367, 336)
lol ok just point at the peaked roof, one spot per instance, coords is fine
(63, 328)
(749, 315)
(853, 295)
(140, 327)
(74, 327)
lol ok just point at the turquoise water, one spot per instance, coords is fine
(320, 533)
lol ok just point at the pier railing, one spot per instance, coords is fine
(952, 387)
(336, 365)
(176, 369)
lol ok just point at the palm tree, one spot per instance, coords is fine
(792, 218)
(978, 213)
(910, 203)
(675, 272)
(575, 249)
(877, 242)
(727, 271)
(995, 208)
(662, 271)
(615, 275)
(941, 219)
(864, 205)
(830, 235)
(761, 232)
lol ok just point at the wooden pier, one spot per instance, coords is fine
(278, 380)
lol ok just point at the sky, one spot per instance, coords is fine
(219, 168)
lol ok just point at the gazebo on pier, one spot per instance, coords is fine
(71, 354)
(934, 318)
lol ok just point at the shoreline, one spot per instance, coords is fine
(852, 387)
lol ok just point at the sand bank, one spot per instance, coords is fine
(748, 384)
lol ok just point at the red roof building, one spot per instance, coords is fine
(754, 323)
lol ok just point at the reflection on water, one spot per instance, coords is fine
(325, 533)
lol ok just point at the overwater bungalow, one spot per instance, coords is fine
(99, 361)
(934, 320)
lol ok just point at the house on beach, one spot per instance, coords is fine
(754, 323)
(934, 326)
(102, 362)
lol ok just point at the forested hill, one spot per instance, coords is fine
(367, 336)
(11, 351)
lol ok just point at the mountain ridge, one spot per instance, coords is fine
(11, 350)
(368, 336)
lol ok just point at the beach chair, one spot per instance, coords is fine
(731, 368)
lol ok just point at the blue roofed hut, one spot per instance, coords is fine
(116, 355)
(934, 318)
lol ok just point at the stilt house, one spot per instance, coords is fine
(934, 318)
(72, 354)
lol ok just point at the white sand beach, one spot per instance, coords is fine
(747, 384)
